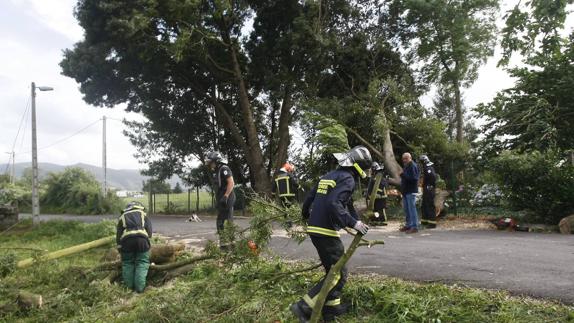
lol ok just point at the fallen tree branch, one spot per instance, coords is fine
(276, 277)
(67, 251)
(181, 263)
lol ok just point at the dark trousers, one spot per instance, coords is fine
(225, 213)
(428, 211)
(330, 250)
(380, 207)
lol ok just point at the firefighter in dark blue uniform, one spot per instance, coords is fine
(381, 197)
(328, 208)
(429, 184)
(286, 186)
(225, 196)
(132, 237)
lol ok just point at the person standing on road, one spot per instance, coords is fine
(409, 189)
(225, 196)
(286, 186)
(328, 208)
(428, 214)
(381, 197)
(132, 238)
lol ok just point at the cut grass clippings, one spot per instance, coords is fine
(251, 291)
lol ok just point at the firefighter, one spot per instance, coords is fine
(225, 196)
(132, 237)
(286, 185)
(328, 208)
(428, 183)
(381, 197)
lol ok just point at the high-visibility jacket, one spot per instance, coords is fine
(133, 223)
(285, 186)
(331, 204)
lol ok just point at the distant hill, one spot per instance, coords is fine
(121, 179)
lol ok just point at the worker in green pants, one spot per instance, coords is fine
(133, 234)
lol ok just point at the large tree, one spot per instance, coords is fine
(206, 74)
(448, 40)
(537, 113)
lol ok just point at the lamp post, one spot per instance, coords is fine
(35, 197)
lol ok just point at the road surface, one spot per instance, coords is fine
(534, 264)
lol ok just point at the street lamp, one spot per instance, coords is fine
(35, 197)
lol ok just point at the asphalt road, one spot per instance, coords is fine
(534, 264)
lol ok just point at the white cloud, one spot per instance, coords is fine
(33, 34)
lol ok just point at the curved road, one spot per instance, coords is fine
(534, 264)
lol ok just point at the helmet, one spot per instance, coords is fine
(358, 157)
(216, 157)
(134, 205)
(288, 167)
(375, 167)
(425, 160)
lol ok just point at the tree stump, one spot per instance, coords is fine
(566, 225)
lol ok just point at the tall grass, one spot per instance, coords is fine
(258, 290)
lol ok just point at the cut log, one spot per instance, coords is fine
(162, 254)
(67, 252)
(566, 225)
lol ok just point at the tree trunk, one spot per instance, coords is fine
(271, 147)
(284, 121)
(458, 111)
(387, 155)
(253, 154)
(68, 251)
(390, 161)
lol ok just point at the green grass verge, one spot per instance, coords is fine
(178, 203)
(252, 291)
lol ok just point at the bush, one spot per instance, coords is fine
(77, 191)
(540, 183)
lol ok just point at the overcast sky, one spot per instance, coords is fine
(33, 34)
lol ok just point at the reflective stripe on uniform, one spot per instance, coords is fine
(322, 231)
(324, 185)
(287, 185)
(333, 302)
(311, 301)
(132, 232)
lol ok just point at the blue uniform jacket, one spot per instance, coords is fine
(332, 204)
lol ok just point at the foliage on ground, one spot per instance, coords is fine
(255, 290)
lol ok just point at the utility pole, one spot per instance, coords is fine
(104, 159)
(35, 196)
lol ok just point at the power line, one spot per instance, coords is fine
(18, 132)
(66, 138)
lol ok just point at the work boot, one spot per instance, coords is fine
(412, 230)
(299, 313)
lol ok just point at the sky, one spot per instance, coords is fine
(33, 34)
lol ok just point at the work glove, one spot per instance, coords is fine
(361, 227)
(223, 201)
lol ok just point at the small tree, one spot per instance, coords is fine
(177, 189)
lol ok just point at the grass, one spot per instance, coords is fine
(178, 203)
(252, 291)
